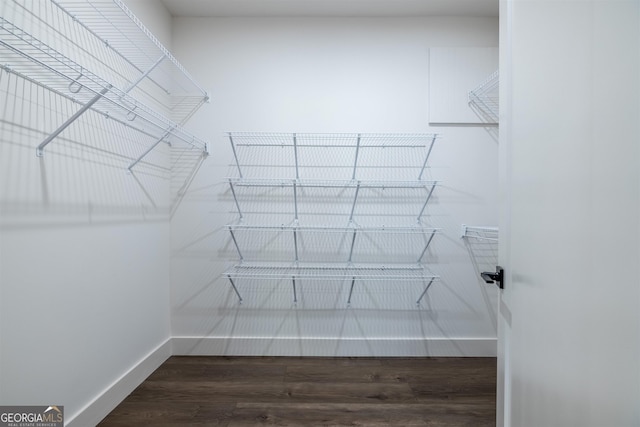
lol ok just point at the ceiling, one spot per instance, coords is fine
(371, 8)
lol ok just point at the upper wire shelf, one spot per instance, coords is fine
(332, 229)
(100, 54)
(328, 183)
(116, 26)
(484, 99)
(351, 156)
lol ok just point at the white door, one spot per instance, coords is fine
(569, 324)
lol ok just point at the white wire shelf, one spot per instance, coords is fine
(350, 272)
(479, 233)
(484, 99)
(331, 229)
(334, 140)
(328, 243)
(98, 64)
(318, 183)
(351, 155)
(121, 31)
(349, 200)
(322, 272)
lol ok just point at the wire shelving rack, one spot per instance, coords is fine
(317, 183)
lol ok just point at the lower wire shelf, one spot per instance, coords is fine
(361, 272)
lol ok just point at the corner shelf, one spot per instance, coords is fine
(100, 56)
(479, 233)
(286, 175)
(484, 99)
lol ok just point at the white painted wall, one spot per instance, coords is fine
(84, 278)
(570, 313)
(330, 75)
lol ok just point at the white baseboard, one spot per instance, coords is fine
(100, 407)
(334, 347)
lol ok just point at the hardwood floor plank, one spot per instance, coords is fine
(210, 391)
(220, 372)
(349, 392)
(351, 374)
(163, 413)
(362, 415)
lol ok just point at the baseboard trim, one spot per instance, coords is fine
(111, 397)
(334, 347)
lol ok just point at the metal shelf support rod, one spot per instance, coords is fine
(425, 291)
(433, 233)
(235, 199)
(235, 156)
(154, 145)
(355, 160)
(233, 285)
(353, 281)
(295, 201)
(144, 75)
(295, 243)
(424, 165)
(235, 242)
(295, 154)
(81, 111)
(295, 295)
(355, 199)
(353, 241)
(426, 201)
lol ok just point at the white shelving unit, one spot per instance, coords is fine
(289, 227)
(99, 55)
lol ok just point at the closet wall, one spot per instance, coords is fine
(84, 293)
(330, 74)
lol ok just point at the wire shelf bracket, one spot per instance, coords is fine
(81, 111)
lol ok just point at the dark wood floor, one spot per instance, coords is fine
(288, 391)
